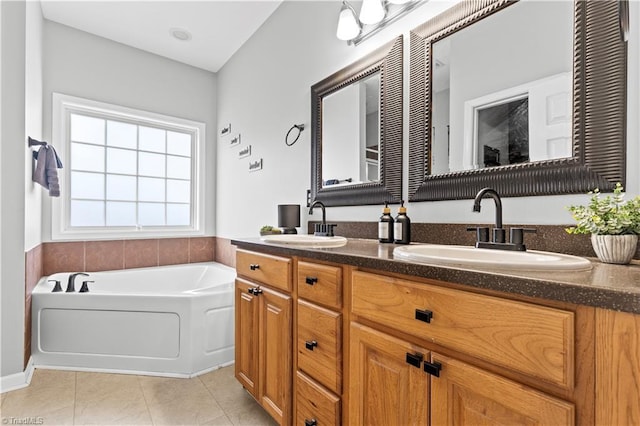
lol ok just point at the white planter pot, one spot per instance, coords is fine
(615, 248)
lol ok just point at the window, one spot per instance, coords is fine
(126, 172)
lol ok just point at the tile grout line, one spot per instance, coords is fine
(146, 403)
(226, 415)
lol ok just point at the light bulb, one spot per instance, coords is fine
(372, 12)
(348, 26)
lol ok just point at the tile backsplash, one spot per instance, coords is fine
(95, 256)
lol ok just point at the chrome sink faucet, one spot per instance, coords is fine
(516, 235)
(323, 229)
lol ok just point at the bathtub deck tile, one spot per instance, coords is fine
(173, 251)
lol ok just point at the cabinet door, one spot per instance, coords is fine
(466, 395)
(276, 349)
(385, 389)
(247, 336)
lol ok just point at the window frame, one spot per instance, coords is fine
(63, 107)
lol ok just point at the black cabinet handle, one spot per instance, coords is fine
(432, 368)
(310, 344)
(256, 291)
(414, 359)
(311, 280)
(312, 422)
(424, 315)
(254, 266)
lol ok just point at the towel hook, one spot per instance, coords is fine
(33, 142)
(300, 128)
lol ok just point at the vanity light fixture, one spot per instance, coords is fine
(374, 15)
(372, 12)
(348, 25)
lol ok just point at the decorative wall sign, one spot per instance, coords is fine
(255, 165)
(235, 140)
(245, 152)
(225, 130)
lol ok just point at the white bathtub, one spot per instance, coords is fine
(169, 321)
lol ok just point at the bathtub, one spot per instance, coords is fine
(172, 321)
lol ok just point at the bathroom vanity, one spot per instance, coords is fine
(350, 335)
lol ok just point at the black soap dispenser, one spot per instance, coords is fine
(385, 226)
(402, 226)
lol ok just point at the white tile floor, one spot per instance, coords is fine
(78, 398)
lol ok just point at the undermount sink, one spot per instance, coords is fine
(300, 240)
(530, 260)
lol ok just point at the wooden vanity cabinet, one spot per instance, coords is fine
(398, 375)
(263, 331)
(318, 344)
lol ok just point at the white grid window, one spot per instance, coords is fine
(127, 171)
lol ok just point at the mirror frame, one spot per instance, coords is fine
(599, 111)
(388, 61)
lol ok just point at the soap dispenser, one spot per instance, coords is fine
(385, 226)
(402, 226)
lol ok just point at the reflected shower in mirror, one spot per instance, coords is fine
(501, 100)
(351, 133)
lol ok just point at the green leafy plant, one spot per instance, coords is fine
(269, 229)
(607, 215)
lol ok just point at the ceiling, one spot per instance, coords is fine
(218, 28)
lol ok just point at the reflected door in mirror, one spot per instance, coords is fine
(502, 89)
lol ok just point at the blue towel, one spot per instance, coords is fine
(45, 173)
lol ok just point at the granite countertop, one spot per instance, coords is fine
(615, 287)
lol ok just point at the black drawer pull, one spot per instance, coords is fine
(312, 422)
(256, 291)
(310, 344)
(254, 266)
(311, 280)
(424, 316)
(414, 359)
(432, 368)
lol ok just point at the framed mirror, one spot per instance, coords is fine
(516, 95)
(356, 141)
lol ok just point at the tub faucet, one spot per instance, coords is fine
(323, 229)
(71, 283)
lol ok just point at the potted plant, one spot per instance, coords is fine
(614, 225)
(269, 230)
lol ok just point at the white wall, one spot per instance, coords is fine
(80, 64)
(33, 126)
(265, 88)
(13, 149)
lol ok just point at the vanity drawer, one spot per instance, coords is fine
(315, 402)
(320, 283)
(532, 339)
(271, 270)
(319, 345)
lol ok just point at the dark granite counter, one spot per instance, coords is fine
(606, 286)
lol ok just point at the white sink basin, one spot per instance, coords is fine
(299, 240)
(488, 258)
